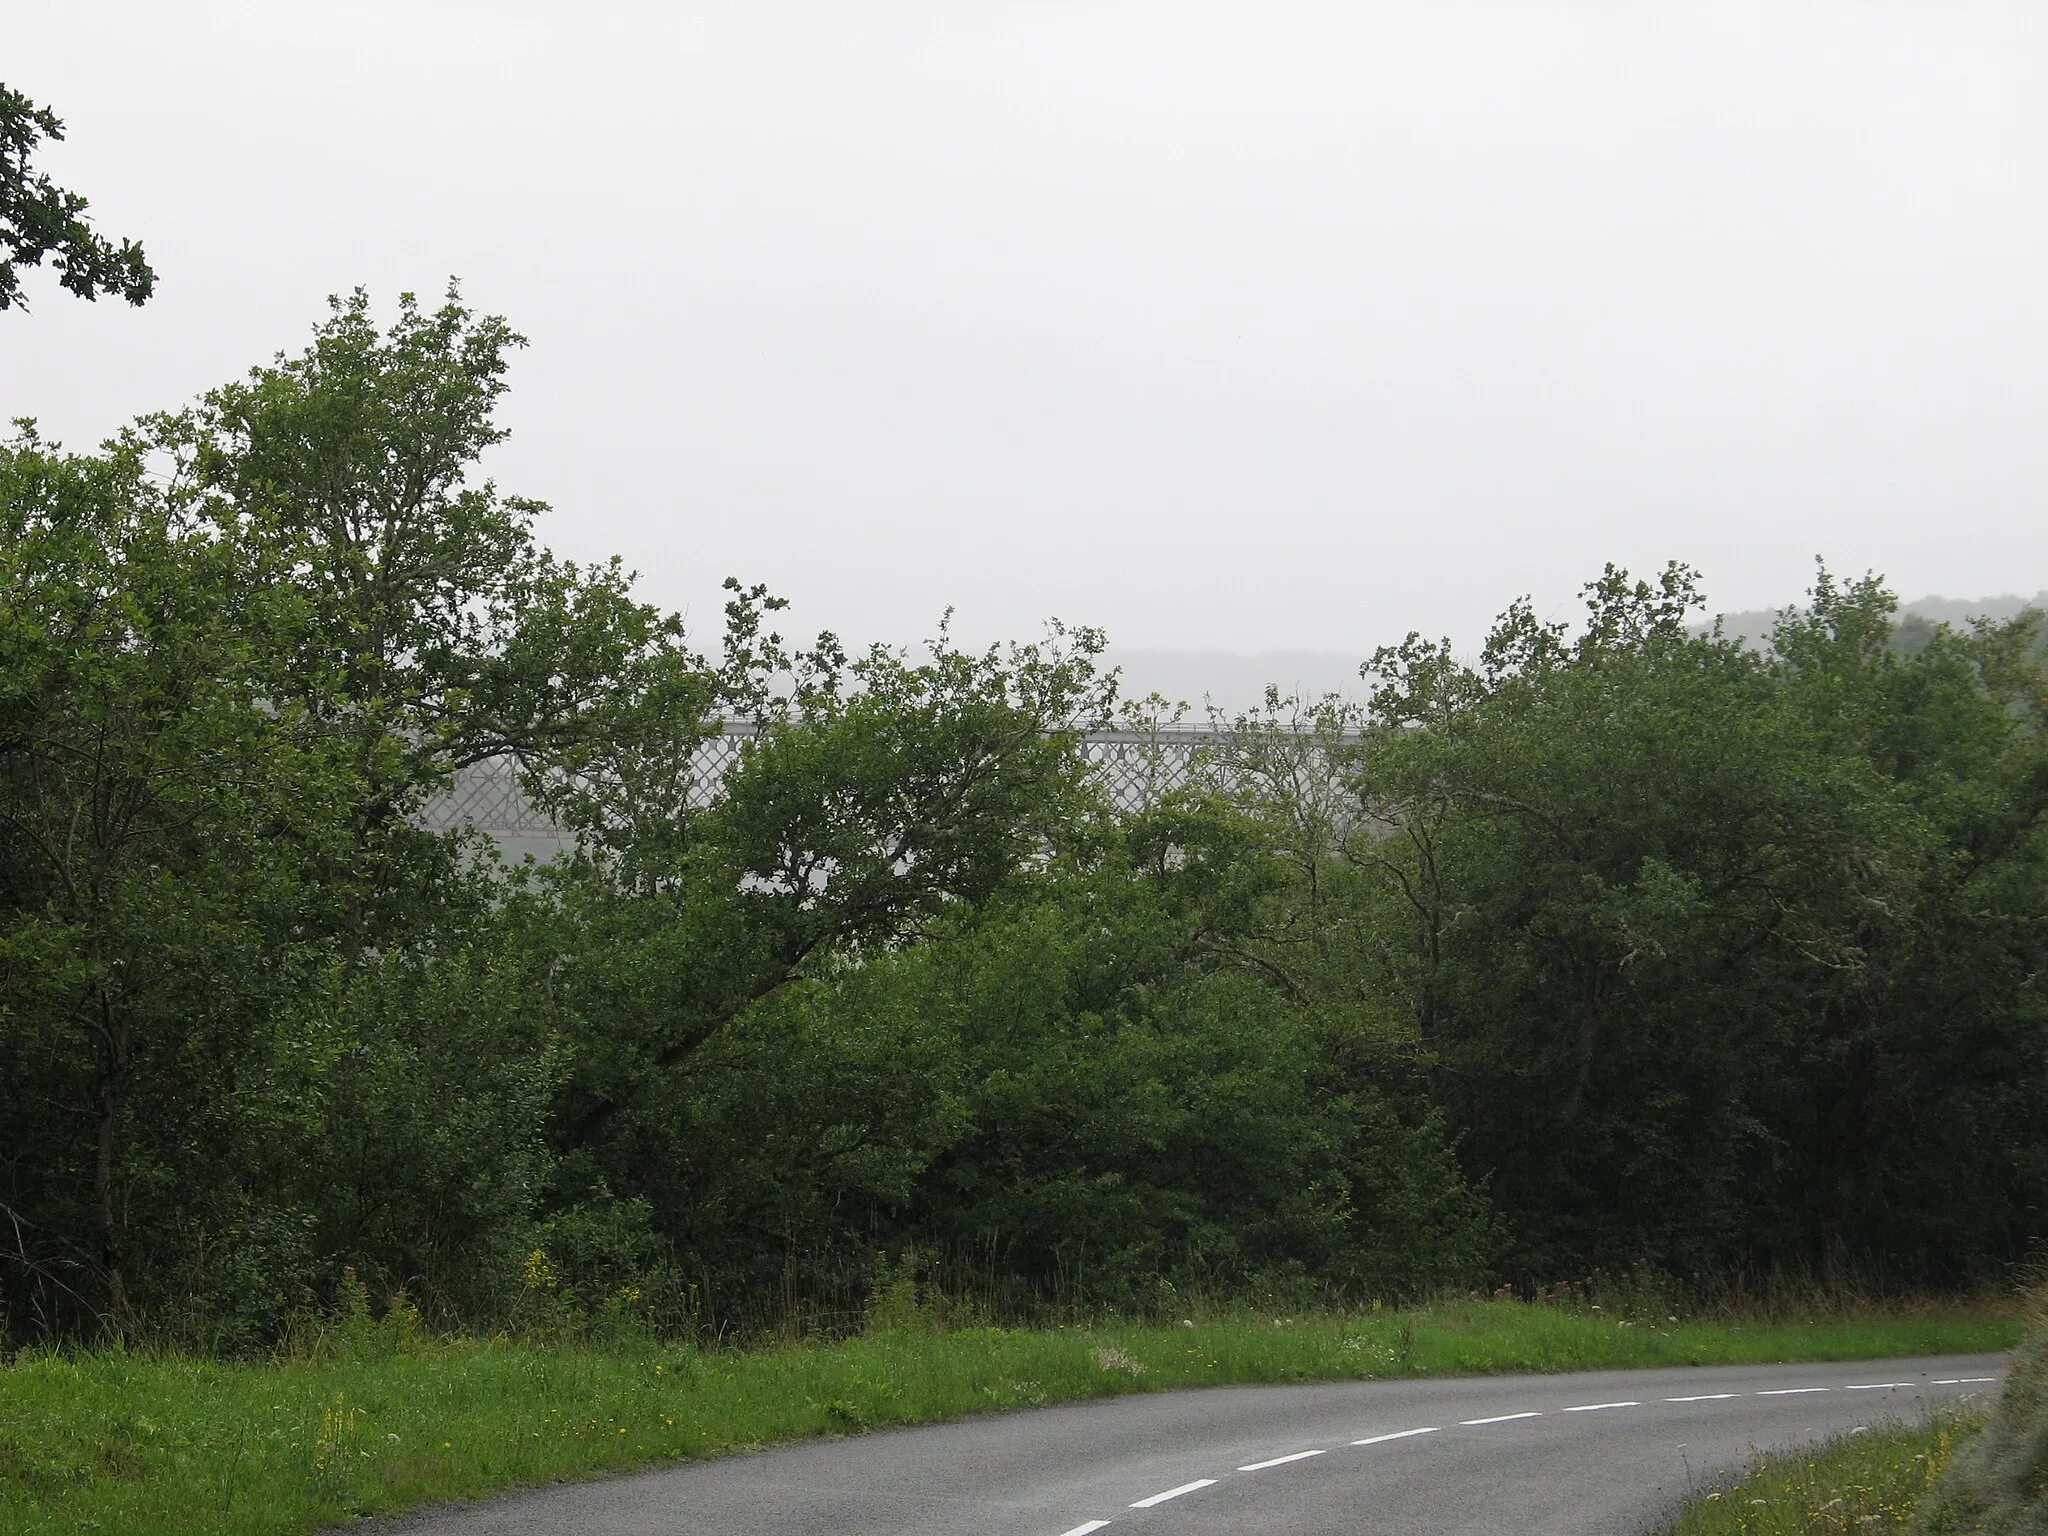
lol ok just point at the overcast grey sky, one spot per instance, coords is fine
(1248, 327)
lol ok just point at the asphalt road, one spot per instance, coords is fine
(1582, 1455)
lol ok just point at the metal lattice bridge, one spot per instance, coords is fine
(1136, 768)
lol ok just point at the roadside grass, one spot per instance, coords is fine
(382, 1422)
(1872, 1481)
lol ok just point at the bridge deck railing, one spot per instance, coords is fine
(1136, 767)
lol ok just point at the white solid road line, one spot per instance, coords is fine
(1279, 1461)
(1596, 1407)
(1704, 1397)
(1086, 1528)
(1501, 1418)
(1793, 1391)
(1399, 1434)
(1174, 1493)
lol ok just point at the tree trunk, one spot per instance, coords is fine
(119, 1311)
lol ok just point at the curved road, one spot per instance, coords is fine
(1582, 1455)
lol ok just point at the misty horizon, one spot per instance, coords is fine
(1276, 332)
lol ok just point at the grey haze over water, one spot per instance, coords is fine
(1284, 328)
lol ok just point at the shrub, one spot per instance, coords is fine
(1999, 1484)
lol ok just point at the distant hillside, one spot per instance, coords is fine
(1232, 681)
(1755, 624)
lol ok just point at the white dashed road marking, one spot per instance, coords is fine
(1089, 1527)
(1174, 1493)
(1399, 1434)
(1279, 1461)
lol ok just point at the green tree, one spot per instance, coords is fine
(154, 806)
(432, 630)
(39, 218)
(429, 631)
(880, 797)
(240, 650)
(1152, 1095)
(1724, 957)
(1912, 1121)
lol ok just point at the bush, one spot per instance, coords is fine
(1999, 1484)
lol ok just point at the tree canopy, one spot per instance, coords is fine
(1619, 945)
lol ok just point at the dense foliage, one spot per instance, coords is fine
(1630, 946)
(1729, 957)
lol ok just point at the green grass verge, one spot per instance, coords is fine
(134, 1443)
(1866, 1482)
